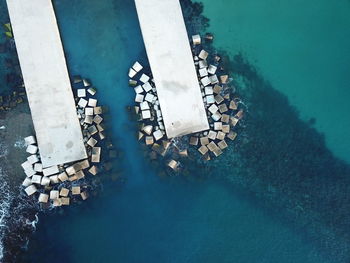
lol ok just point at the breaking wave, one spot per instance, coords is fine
(5, 204)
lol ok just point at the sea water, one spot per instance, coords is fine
(147, 218)
(302, 48)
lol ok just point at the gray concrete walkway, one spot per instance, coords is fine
(47, 82)
(170, 57)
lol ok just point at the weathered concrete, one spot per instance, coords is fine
(170, 57)
(46, 80)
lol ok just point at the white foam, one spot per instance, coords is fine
(5, 201)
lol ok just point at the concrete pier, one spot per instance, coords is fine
(169, 54)
(46, 80)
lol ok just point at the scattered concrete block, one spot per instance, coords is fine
(100, 128)
(149, 97)
(92, 130)
(84, 195)
(147, 87)
(137, 66)
(144, 105)
(194, 141)
(57, 202)
(92, 91)
(30, 140)
(208, 90)
(36, 179)
(31, 189)
(81, 93)
(204, 140)
(45, 181)
(212, 69)
(138, 89)
(139, 98)
(216, 116)
(217, 126)
(29, 172)
(64, 192)
(148, 129)
(213, 108)
(32, 149)
(32, 159)
(203, 72)
(80, 175)
(98, 110)
(54, 194)
(158, 135)
(149, 140)
(233, 105)
(225, 118)
(226, 128)
(26, 165)
(219, 99)
(132, 82)
(64, 200)
(146, 114)
(86, 83)
(217, 89)
(88, 119)
(82, 103)
(92, 142)
(173, 164)
(132, 73)
(93, 170)
(224, 79)
(63, 177)
(92, 102)
(27, 182)
(203, 64)
(196, 40)
(213, 79)
(38, 167)
(89, 111)
(232, 135)
(223, 108)
(210, 99)
(234, 121)
(72, 178)
(76, 190)
(144, 78)
(212, 135)
(203, 54)
(205, 81)
(54, 179)
(239, 115)
(43, 198)
(203, 149)
(96, 154)
(84, 164)
(220, 135)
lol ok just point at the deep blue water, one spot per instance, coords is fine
(148, 218)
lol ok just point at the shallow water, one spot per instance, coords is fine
(302, 48)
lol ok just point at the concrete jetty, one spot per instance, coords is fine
(46, 80)
(169, 54)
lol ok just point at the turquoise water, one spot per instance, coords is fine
(302, 48)
(147, 218)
